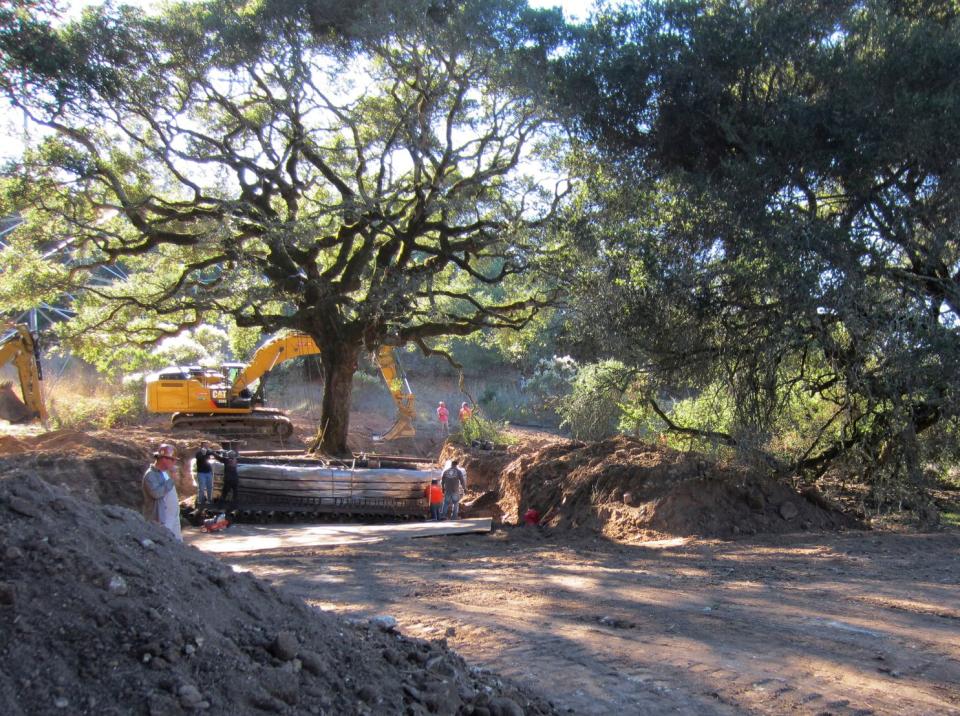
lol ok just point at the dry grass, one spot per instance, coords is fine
(77, 400)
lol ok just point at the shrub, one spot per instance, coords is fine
(593, 409)
(480, 428)
(506, 402)
(551, 382)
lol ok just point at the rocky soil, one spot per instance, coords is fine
(102, 613)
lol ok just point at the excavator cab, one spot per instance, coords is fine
(232, 371)
(242, 397)
(195, 389)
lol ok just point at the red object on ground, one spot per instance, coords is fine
(215, 524)
(531, 517)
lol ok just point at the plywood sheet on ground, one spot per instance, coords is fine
(256, 538)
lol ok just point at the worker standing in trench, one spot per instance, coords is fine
(454, 485)
(204, 475)
(160, 503)
(231, 477)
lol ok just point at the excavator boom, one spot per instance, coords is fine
(271, 354)
(404, 399)
(203, 403)
(20, 348)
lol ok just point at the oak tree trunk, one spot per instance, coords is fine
(339, 365)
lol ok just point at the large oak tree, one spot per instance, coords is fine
(355, 171)
(777, 207)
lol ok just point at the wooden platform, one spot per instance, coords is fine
(257, 538)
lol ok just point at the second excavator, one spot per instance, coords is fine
(20, 347)
(221, 401)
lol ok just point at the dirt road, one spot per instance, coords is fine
(856, 623)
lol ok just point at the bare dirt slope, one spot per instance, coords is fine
(633, 490)
(101, 466)
(804, 616)
(11, 404)
(102, 613)
(826, 623)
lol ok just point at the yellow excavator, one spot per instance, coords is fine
(18, 345)
(222, 402)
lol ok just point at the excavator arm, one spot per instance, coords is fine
(21, 349)
(404, 399)
(273, 353)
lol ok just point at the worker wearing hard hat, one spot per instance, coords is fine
(160, 503)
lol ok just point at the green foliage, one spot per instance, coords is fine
(243, 341)
(80, 413)
(592, 411)
(771, 219)
(538, 340)
(124, 409)
(220, 155)
(477, 354)
(203, 346)
(950, 479)
(710, 410)
(551, 382)
(506, 400)
(483, 429)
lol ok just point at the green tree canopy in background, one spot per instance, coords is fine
(775, 208)
(771, 216)
(357, 171)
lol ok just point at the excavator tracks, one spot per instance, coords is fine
(259, 423)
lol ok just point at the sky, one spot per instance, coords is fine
(11, 123)
(572, 9)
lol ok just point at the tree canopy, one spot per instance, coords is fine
(360, 172)
(775, 207)
(770, 218)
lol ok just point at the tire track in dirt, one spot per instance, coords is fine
(789, 625)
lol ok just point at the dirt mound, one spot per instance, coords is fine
(11, 445)
(101, 466)
(12, 408)
(103, 613)
(483, 466)
(627, 489)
